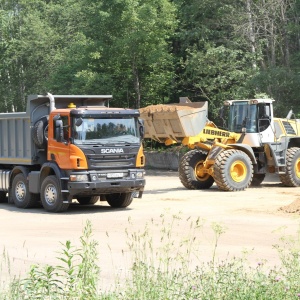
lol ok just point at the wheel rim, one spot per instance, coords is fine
(297, 168)
(238, 171)
(50, 194)
(20, 191)
(199, 172)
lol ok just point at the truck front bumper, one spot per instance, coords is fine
(100, 183)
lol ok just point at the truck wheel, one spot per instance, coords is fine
(119, 200)
(20, 193)
(51, 196)
(191, 172)
(40, 132)
(292, 174)
(257, 179)
(3, 198)
(88, 200)
(233, 170)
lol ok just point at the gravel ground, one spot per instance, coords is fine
(254, 220)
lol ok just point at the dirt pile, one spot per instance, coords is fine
(294, 207)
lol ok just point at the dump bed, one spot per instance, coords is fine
(174, 121)
(16, 129)
(15, 142)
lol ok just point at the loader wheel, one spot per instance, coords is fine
(233, 170)
(88, 200)
(191, 172)
(292, 174)
(257, 179)
(119, 199)
(40, 132)
(20, 193)
(51, 196)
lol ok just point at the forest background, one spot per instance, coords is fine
(151, 51)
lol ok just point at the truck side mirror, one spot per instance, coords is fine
(56, 117)
(59, 134)
(78, 122)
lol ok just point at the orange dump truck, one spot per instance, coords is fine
(67, 147)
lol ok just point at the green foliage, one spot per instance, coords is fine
(75, 278)
(165, 265)
(149, 52)
(217, 74)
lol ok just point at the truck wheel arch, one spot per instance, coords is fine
(17, 170)
(51, 168)
(26, 202)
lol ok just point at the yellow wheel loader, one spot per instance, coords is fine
(249, 144)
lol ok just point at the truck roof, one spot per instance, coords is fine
(62, 101)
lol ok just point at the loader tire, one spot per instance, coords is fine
(233, 170)
(292, 174)
(191, 172)
(40, 133)
(257, 179)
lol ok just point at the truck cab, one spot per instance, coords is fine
(80, 149)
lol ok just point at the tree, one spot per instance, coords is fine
(131, 49)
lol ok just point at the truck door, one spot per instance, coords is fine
(59, 141)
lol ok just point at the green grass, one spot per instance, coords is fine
(163, 267)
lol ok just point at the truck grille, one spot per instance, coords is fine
(107, 161)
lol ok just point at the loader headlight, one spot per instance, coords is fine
(79, 177)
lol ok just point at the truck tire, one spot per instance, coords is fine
(292, 174)
(233, 170)
(119, 199)
(3, 198)
(20, 193)
(88, 200)
(51, 196)
(257, 179)
(40, 133)
(191, 172)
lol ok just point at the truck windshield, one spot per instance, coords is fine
(242, 115)
(105, 131)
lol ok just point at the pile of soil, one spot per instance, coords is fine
(294, 207)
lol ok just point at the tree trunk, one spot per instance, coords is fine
(251, 31)
(136, 86)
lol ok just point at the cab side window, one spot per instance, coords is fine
(65, 123)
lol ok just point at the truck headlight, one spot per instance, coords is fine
(139, 175)
(79, 177)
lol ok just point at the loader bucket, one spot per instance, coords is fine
(174, 121)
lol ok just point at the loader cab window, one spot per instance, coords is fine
(264, 116)
(242, 115)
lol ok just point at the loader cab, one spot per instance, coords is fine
(253, 118)
(248, 116)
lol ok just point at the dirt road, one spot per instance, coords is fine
(252, 220)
